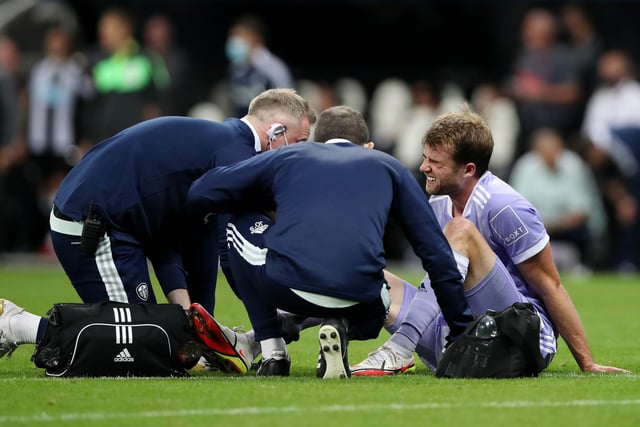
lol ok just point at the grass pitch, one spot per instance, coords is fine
(561, 396)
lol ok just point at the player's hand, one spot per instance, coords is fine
(600, 369)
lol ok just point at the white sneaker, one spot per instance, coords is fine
(383, 361)
(8, 341)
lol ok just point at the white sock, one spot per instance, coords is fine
(24, 327)
(463, 264)
(255, 346)
(399, 349)
(271, 345)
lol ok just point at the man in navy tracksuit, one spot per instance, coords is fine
(323, 255)
(126, 201)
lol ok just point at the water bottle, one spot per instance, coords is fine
(487, 327)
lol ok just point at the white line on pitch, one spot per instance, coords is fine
(44, 417)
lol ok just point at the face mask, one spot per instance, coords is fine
(237, 50)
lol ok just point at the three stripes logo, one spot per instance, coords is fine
(124, 333)
(123, 356)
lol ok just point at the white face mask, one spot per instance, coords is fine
(237, 50)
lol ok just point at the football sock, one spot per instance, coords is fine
(24, 327)
(271, 345)
(463, 264)
(42, 328)
(255, 346)
(407, 296)
(401, 345)
(424, 308)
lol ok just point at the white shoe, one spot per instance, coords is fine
(383, 361)
(8, 341)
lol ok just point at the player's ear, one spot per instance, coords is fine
(369, 145)
(470, 169)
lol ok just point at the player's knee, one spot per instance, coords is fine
(462, 235)
(459, 227)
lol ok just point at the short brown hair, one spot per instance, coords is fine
(344, 122)
(465, 134)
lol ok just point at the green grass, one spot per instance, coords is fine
(561, 396)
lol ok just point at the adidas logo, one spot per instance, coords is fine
(123, 356)
(258, 228)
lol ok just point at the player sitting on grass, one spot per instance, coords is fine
(500, 237)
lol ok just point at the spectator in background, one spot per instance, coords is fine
(614, 105)
(423, 111)
(390, 104)
(545, 83)
(321, 94)
(7, 116)
(562, 188)
(502, 117)
(352, 92)
(425, 105)
(612, 123)
(127, 81)
(327, 95)
(253, 68)
(16, 232)
(584, 43)
(56, 83)
(160, 45)
(8, 124)
(11, 64)
(620, 206)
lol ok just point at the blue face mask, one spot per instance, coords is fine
(237, 50)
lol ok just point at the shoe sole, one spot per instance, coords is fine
(383, 372)
(218, 346)
(331, 348)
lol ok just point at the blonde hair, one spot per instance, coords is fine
(274, 104)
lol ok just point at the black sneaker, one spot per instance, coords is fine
(278, 365)
(332, 360)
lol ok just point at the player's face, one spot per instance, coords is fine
(444, 176)
(304, 132)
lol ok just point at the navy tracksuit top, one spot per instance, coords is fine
(139, 178)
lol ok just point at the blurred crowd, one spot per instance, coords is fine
(566, 120)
